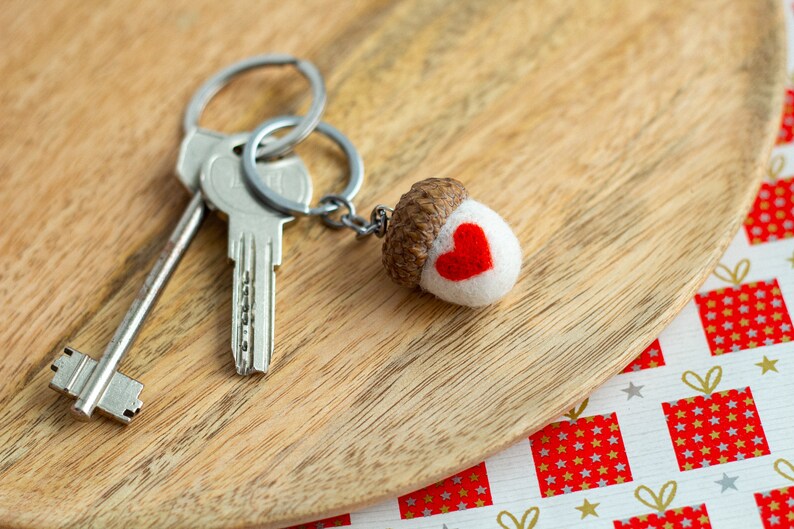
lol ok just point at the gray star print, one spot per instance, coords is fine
(632, 391)
(727, 482)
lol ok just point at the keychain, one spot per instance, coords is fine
(436, 238)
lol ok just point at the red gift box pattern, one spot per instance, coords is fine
(776, 507)
(714, 428)
(465, 490)
(342, 520)
(786, 132)
(650, 357)
(772, 215)
(691, 517)
(743, 316)
(579, 454)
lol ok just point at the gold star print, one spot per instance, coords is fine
(767, 365)
(791, 260)
(587, 509)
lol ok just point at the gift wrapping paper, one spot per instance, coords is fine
(696, 433)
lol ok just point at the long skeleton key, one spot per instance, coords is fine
(254, 244)
(99, 385)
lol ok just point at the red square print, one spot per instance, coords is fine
(694, 517)
(650, 357)
(772, 215)
(716, 428)
(465, 490)
(744, 317)
(579, 454)
(776, 508)
(786, 132)
(342, 520)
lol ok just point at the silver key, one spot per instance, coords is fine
(254, 243)
(98, 385)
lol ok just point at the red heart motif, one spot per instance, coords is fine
(470, 256)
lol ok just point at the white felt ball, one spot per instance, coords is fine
(474, 260)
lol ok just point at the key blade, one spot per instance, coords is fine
(254, 295)
(242, 252)
(120, 399)
(264, 300)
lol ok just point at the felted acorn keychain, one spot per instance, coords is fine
(436, 238)
(440, 240)
(444, 242)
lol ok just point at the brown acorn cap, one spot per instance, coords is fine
(414, 225)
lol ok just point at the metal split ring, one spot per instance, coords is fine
(290, 207)
(302, 128)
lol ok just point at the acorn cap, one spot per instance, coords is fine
(414, 225)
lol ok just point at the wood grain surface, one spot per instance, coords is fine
(623, 140)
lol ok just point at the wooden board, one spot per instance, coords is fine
(623, 140)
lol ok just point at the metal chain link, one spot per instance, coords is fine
(376, 225)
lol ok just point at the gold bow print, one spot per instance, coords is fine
(776, 165)
(575, 413)
(735, 276)
(659, 502)
(528, 520)
(784, 468)
(707, 385)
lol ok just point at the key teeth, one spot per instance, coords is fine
(246, 370)
(120, 400)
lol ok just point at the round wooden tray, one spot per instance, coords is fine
(623, 140)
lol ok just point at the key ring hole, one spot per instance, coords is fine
(270, 197)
